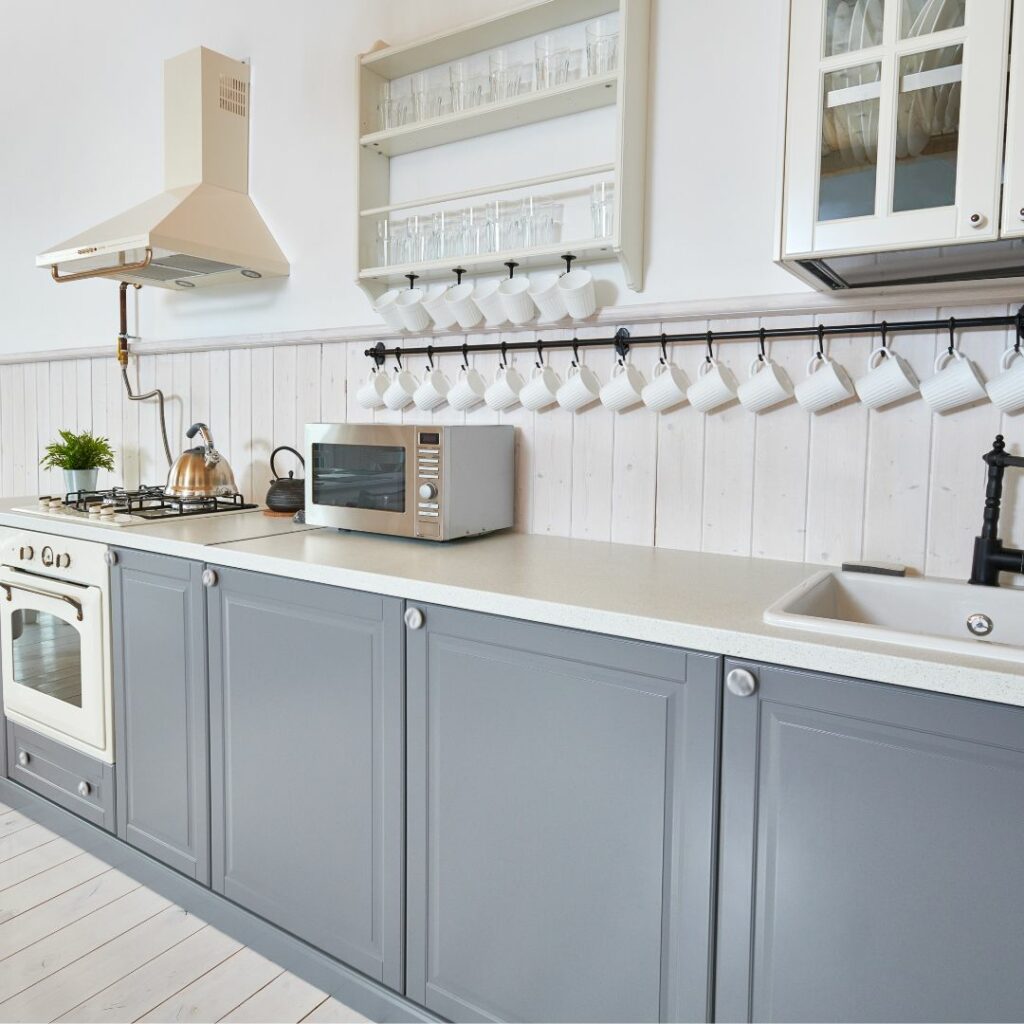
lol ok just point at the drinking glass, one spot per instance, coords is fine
(399, 243)
(394, 107)
(498, 225)
(383, 242)
(419, 229)
(547, 222)
(472, 232)
(602, 209)
(507, 77)
(602, 46)
(443, 235)
(428, 99)
(555, 63)
(469, 86)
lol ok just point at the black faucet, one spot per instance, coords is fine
(990, 557)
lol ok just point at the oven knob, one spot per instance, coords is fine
(110, 557)
(26, 553)
(23, 758)
(47, 556)
(63, 561)
(84, 789)
(428, 491)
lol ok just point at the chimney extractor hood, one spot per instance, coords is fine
(203, 229)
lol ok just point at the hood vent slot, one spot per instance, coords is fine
(233, 95)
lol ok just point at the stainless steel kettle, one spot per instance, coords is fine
(200, 472)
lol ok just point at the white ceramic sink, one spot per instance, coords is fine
(914, 612)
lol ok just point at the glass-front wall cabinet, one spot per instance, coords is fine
(895, 120)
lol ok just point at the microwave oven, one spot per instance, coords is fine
(430, 482)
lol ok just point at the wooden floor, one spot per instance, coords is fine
(80, 941)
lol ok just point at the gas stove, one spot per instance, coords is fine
(122, 507)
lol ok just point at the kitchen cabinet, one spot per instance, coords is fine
(895, 127)
(871, 853)
(561, 812)
(160, 692)
(306, 720)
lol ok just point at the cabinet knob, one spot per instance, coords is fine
(84, 789)
(740, 682)
(414, 618)
(110, 557)
(23, 758)
(978, 220)
(209, 578)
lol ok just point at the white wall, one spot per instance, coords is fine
(81, 110)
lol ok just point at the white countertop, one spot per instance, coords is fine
(702, 602)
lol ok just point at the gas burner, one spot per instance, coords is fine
(147, 503)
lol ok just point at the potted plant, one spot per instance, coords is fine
(81, 456)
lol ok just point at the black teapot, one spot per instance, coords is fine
(286, 494)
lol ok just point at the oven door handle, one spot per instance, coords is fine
(8, 587)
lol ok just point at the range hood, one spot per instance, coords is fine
(203, 229)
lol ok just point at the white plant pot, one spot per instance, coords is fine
(80, 479)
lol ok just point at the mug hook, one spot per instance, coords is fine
(458, 272)
(622, 344)
(1020, 329)
(710, 357)
(760, 345)
(952, 335)
(568, 257)
(430, 357)
(504, 355)
(885, 337)
(511, 264)
(575, 352)
(540, 353)
(378, 353)
(411, 278)
(820, 354)
(465, 355)
(664, 352)
(398, 357)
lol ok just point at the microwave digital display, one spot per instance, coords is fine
(368, 476)
(432, 439)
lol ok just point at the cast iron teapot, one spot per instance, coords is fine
(286, 494)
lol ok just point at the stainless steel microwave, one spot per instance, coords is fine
(432, 482)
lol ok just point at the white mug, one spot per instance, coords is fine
(826, 384)
(1007, 390)
(767, 385)
(957, 382)
(715, 386)
(624, 390)
(548, 300)
(517, 304)
(666, 389)
(385, 307)
(581, 388)
(541, 390)
(410, 310)
(460, 302)
(577, 288)
(468, 389)
(503, 391)
(433, 390)
(488, 300)
(439, 309)
(371, 392)
(889, 378)
(401, 389)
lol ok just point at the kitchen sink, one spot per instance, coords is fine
(935, 615)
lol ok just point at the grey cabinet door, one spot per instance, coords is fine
(872, 854)
(561, 802)
(306, 762)
(161, 720)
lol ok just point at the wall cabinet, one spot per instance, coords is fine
(870, 854)
(561, 805)
(161, 734)
(306, 762)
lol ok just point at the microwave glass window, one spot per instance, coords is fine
(369, 476)
(47, 655)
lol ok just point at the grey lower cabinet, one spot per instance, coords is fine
(561, 808)
(306, 714)
(161, 720)
(872, 854)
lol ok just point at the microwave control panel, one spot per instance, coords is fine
(428, 483)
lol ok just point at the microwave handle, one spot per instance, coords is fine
(8, 587)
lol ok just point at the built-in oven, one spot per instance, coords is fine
(55, 640)
(431, 482)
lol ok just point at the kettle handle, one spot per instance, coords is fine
(204, 432)
(284, 448)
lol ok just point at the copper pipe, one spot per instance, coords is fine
(120, 268)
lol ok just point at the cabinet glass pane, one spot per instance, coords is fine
(47, 655)
(927, 129)
(922, 17)
(849, 142)
(852, 25)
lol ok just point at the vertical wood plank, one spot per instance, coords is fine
(285, 382)
(263, 410)
(148, 429)
(199, 388)
(240, 387)
(593, 434)
(114, 394)
(219, 383)
(14, 439)
(83, 384)
(42, 385)
(130, 430)
(308, 398)
(553, 450)
(6, 431)
(333, 388)
(523, 420)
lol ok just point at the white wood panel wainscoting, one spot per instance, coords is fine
(900, 484)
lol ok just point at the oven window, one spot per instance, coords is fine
(369, 476)
(47, 655)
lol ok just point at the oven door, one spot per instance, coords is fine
(51, 652)
(361, 477)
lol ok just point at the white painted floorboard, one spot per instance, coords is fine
(80, 941)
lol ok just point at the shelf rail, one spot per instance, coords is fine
(622, 340)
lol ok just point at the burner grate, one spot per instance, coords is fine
(153, 503)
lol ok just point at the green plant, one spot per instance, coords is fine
(78, 451)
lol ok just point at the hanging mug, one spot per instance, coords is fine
(1007, 389)
(826, 384)
(371, 392)
(889, 378)
(625, 388)
(715, 386)
(767, 385)
(957, 382)
(468, 389)
(581, 388)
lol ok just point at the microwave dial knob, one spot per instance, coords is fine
(428, 491)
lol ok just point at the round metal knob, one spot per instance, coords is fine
(979, 625)
(428, 491)
(110, 557)
(209, 578)
(977, 220)
(84, 789)
(64, 561)
(26, 553)
(740, 682)
(414, 618)
(23, 758)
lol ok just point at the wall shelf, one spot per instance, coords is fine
(625, 90)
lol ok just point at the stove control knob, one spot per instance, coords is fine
(428, 491)
(110, 557)
(63, 561)
(23, 758)
(26, 553)
(84, 789)
(209, 578)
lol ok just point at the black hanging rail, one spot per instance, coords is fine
(622, 340)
